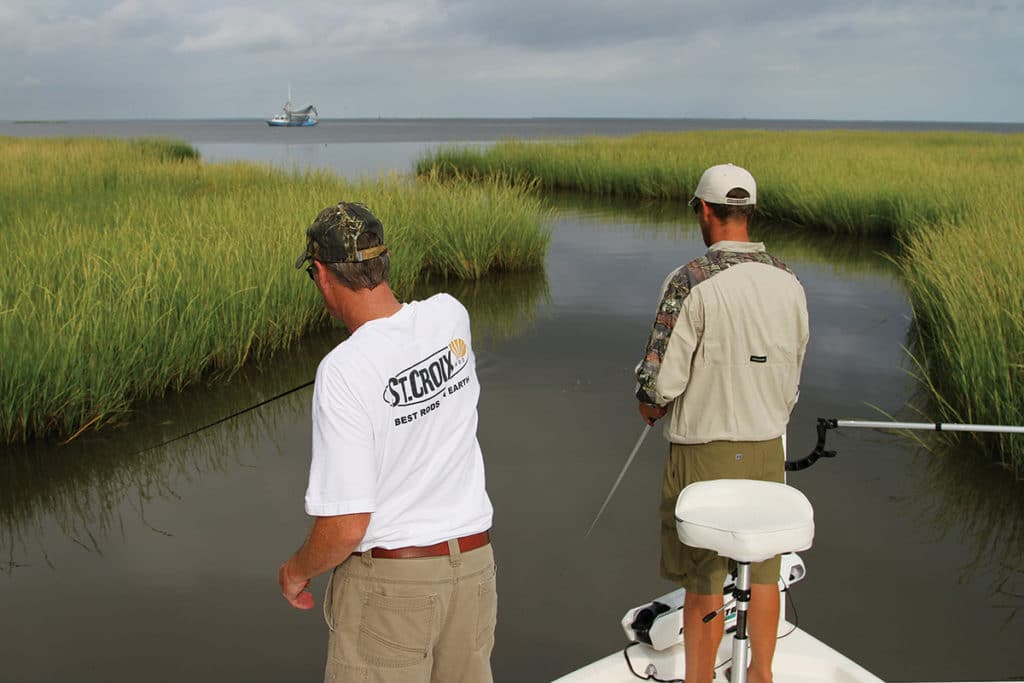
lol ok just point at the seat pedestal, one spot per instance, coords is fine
(746, 521)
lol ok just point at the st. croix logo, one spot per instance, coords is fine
(427, 378)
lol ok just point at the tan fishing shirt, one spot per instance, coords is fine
(727, 346)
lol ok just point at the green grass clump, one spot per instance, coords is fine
(133, 268)
(951, 204)
(841, 181)
(964, 277)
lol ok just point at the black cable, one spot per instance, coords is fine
(646, 677)
(796, 617)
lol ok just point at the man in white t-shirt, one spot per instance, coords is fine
(396, 483)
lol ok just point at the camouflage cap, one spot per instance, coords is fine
(333, 236)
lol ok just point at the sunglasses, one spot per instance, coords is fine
(310, 270)
(695, 205)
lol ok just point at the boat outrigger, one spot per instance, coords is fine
(746, 521)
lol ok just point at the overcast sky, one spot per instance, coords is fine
(931, 60)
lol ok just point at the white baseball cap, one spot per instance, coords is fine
(719, 180)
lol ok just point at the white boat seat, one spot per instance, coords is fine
(744, 520)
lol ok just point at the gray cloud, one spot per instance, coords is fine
(242, 29)
(922, 59)
(561, 25)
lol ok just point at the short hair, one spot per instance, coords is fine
(363, 274)
(725, 212)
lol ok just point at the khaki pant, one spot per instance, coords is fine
(699, 570)
(422, 620)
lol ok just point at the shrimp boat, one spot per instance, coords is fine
(307, 116)
(746, 521)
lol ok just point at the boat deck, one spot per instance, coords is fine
(799, 658)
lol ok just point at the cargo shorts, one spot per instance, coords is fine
(698, 570)
(420, 620)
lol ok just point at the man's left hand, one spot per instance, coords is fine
(294, 590)
(651, 413)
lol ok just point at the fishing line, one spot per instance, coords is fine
(225, 419)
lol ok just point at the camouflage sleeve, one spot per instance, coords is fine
(676, 289)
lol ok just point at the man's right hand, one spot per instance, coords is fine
(651, 413)
(294, 590)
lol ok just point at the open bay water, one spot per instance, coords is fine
(121, 561)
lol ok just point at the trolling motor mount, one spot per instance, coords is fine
(824, 424)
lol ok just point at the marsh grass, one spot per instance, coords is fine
(840, 181)
(133, 268)
(964, 277)
(950, 204)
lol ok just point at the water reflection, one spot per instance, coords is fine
(846, 254)
(965, 495)
(954, 492)
(500, 305)
(84, 489)
(352, 160)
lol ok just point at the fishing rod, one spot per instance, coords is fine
(827, 423)
(639, 442)
(225, 419)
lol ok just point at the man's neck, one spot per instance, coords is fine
(730, 231)
(363, 305)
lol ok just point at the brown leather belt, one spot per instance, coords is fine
(466, 543)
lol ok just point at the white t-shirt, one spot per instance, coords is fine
(394, 429)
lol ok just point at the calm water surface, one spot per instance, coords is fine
(120, 561)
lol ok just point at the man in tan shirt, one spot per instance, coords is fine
(724, 356)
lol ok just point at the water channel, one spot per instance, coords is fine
(121, 559)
